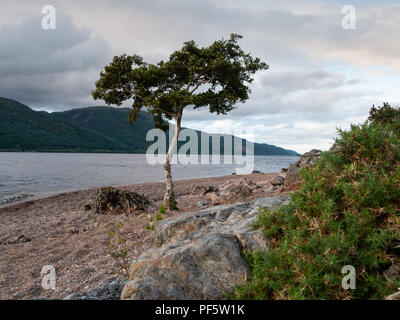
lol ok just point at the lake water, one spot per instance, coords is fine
(26, 175)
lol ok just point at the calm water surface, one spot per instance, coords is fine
(26, 175)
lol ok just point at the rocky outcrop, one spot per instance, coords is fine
(198, 255)
(293, 179)
(228, 192)
(307, 159)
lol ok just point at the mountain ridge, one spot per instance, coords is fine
(87, 129)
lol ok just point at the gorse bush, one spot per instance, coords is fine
(347, 212)
(385, 114)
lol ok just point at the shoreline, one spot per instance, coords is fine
(32, 197)
(58, 231)
(29, 187)
(54, 194)
(123, 152)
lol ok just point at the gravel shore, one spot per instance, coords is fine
(58, 231)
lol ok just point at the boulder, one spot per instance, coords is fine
(334, 148)
(198, 255)
(232, 193)
(278, 181)
(293, 179)
(115, 201)
(202, 190)
(229, 191)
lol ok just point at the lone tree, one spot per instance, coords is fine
(216, 77)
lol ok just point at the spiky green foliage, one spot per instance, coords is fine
(347, 212)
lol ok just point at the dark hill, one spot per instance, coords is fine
(112, 122)
(92, 129)
(22, 129)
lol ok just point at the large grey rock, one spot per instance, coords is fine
(231, 191)
(198, 255)
(293, 179)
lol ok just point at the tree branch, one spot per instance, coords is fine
(198, 85)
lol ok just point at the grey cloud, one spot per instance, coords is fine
(286, 82)
(53, 68)
(304, 97)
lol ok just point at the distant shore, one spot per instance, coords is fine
(58, 231)
(126, 152)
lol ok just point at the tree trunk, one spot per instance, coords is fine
(169, 197)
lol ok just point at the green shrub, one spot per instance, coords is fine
(347, 212)
(163, 210)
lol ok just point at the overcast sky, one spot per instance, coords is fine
(321, 75)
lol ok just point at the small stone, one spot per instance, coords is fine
(392, 272)
(73, 230)
(215, 199)
(17, 239)
(202, 203)
(272, 188)
(278, 181)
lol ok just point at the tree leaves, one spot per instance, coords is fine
(216, 76)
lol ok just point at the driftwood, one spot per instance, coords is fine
(115, 201)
